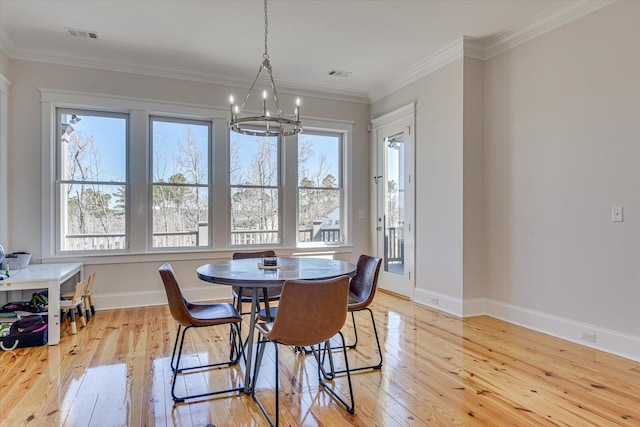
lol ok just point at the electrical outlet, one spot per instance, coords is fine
(587, 336)
(434, 300)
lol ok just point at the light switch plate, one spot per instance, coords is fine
(616, 214)
(362, 214)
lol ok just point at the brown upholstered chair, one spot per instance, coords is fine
(362, 289)
(309, 313)
(191, 315)
(241, 294)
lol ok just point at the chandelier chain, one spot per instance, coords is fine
(265, 124)
(266, 30)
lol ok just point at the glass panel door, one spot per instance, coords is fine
(394, 204)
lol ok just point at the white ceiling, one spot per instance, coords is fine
(377, 41)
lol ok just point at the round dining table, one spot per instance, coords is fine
(248, 273)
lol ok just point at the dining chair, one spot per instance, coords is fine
(73, 304)
(310, 313)
(362, 289)
(193, 315)
(242, 294)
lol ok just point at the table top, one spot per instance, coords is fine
(245, 272)
(43, 272)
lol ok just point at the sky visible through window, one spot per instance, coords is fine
(109, 141)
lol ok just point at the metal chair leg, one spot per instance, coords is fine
(177, 370)
(350, 408)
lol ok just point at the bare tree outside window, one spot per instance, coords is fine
(254, 179)
(180, 207)
(319, 189)
(92, 176)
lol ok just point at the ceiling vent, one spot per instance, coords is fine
(86, 34)
(339, 73)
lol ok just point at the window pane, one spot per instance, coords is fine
(180, 156)
(180, 216)
(253, 160)
(93, 148)
(93, 217)
(180, 152)
(254, 216)
(319, 161)
(319, 189)
(319, 216)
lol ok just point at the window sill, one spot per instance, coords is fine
(182, 255)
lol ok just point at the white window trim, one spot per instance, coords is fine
(139, 110)
(4, 175)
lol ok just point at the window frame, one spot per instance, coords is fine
(59, 182)
(209, 185)
(139, 110)
(279, 186)
(340, 188)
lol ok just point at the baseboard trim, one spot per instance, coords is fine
(617, 343)
(159, 297)
(439, 301)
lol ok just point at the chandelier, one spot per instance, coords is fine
(266, 124)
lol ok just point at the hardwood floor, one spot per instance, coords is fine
(438, 370)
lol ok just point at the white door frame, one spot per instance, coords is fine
(399, 121)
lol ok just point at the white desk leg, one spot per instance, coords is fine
(54, 312)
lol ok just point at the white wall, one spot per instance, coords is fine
(122, 279)
(520, 159)
(562, 146)
(439, 177)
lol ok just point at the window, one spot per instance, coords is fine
(254, 190)
(320, 186)
(136, 176)
(92, 180)
(180, 184)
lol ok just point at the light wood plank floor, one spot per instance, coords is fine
(438, 370)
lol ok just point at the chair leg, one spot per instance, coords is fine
(375, 333)
(350, 408)
(93, 310)
(256, 370)
(177, 370)
(83, 322)
(74, 327)
(87, 311)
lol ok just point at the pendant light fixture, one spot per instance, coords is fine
(267, 124)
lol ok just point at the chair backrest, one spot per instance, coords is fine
(258, 254)
(310, 311)
(363, 285)
(77, 294)
(246, 292)
(89, 287)
(177, 302)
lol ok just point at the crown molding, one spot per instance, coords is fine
(4, 84)
(483, 49)
(7, 45)
(540, 24)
